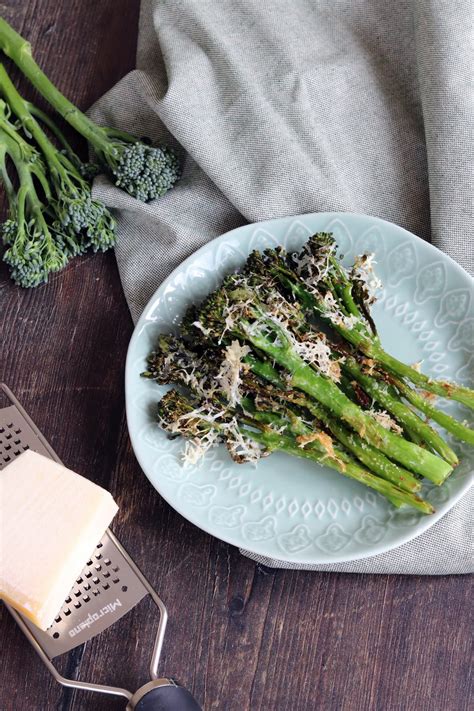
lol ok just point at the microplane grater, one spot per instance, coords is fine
(109, 586)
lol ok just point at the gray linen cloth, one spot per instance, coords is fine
(282, 107)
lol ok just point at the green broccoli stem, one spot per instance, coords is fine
(345, 289)
(16, 200)
(316, 451)
(366, 453)
(297, 427)
(408, 431)
(27, 203)
(33, 252)
(405, 416)
(273, 441)
(19, 50)
(53, 127)
(303, 377)
(9, 189)
(357, 336)
(458, 429)
(370, 346)
(348, 386)
(264, 370)
(442, 388)
(22, 153)
(86, 169)
(57, 162)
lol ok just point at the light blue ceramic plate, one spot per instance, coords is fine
(295, 510)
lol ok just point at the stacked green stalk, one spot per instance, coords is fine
(261, 377)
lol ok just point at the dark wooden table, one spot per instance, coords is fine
(240, 636)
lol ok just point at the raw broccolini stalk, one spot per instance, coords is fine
(85, 222)
(238, 312)
(177, 414)
(311, 278)
(144, 171)
(34, 247)
(87, 169)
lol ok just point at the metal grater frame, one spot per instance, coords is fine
(109, 586)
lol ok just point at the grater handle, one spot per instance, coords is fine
(163, 695)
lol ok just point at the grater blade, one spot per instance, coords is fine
(108, 586)
(105, 591)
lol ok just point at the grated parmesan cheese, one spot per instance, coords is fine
(335, 315)
(229, 374)
(326, 441)
(241, 448)
(313, 269)
(202, 328)
(316, 352)
(369, 365)
(232, 313)
(313, 350)
(363, 271)
(384, 419)
(196, 448)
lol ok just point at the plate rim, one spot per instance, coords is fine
(414, 532)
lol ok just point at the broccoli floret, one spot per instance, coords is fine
(34, 248)
(174, 408)
(172, 362)
(146, 172)
(87, 222)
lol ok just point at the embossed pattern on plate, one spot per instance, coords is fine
(295, 510)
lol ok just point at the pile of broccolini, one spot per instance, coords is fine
(52, 214)
(285, 356)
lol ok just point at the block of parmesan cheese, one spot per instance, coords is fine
(51, 520)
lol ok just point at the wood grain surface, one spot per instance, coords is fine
(240, 636)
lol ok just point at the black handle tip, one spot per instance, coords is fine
(167, 697)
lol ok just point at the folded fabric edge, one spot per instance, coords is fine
(345, 567)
